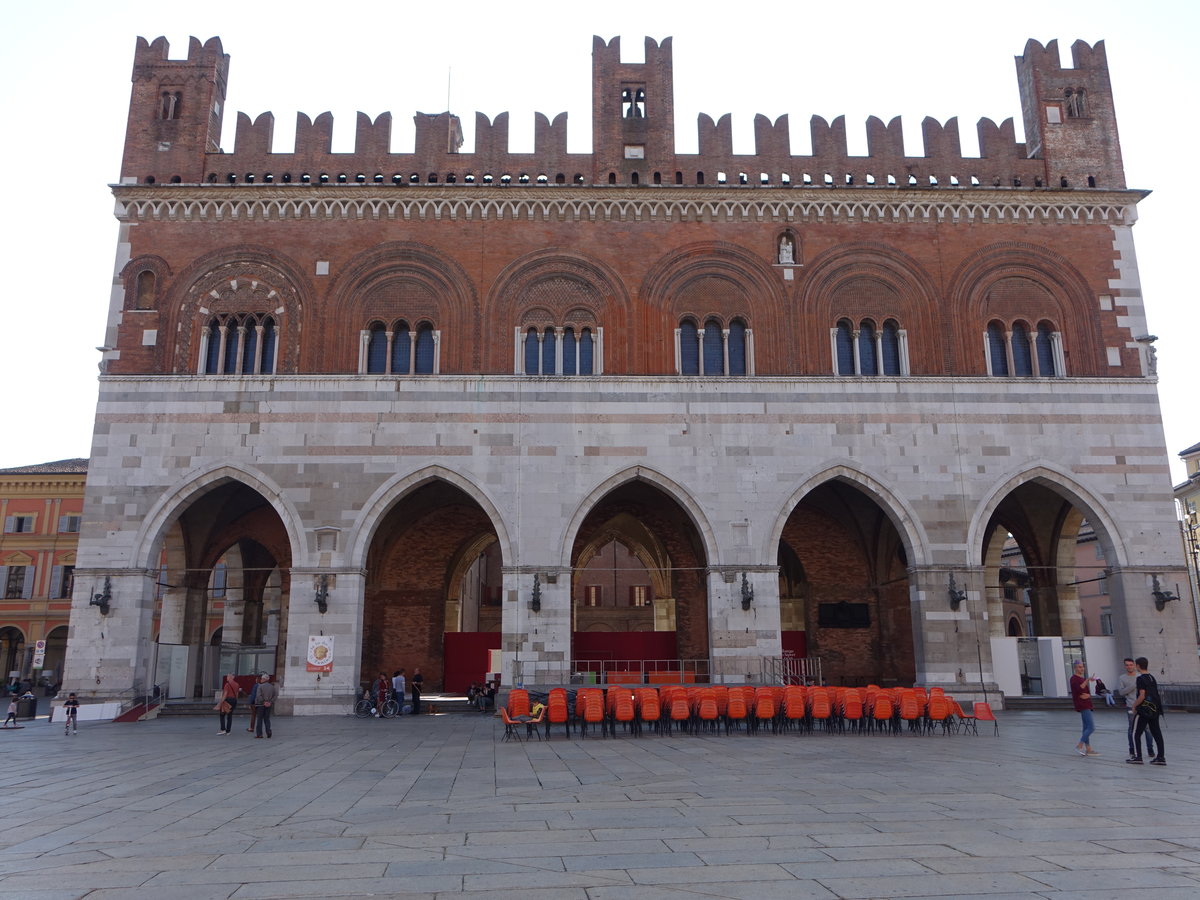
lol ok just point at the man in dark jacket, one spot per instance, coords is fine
(264, 702)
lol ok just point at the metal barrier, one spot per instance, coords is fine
(611, 671)
(1181, 696)
(791, 670)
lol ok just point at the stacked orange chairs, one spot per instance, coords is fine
(649, 708)
(678, 713)
(706, 710)
(764, 710)
(795, 709)
(589, 710)
(883, 713)
(852, 710)
(910, 712)
(938, 712)
(737, 711)
(557, 712)
(622, 711)
(820, 708)
(518, 702)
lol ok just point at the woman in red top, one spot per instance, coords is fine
(1081, 696)
(229, 694)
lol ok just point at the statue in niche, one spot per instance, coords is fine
(1147, 340)
(1075, 104)
(787, 251)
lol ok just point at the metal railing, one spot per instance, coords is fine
(1180, 696)
(611, 671)
(791, 670)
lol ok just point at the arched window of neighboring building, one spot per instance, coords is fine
(844, 342)
(232, 333)
(1021, 356)
(249, 347)
(997, 349)
(714, 348)
(212, 356)
(377, 350)
(689, 349)
(426, 350)
(569, 343)
(890, 345)
(867, 364)
(737, 347)
(269, 335)
(401, 349)
(145, 290)
(1045, 350)
(549, 352)
(587, 353)
(532, 353)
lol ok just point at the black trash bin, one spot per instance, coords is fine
(27, 709)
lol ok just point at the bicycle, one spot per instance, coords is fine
(367, 707)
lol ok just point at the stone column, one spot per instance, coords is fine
(536, 643)
(110, 654)
(1166, 637)
(950, 646)
(742, 638)
(305, 693)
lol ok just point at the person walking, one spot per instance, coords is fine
(71, 712)
(1081, 697)
(1127, 691)
(417, 680)
(264, 701)
(12, 712)
(1147, 708)
(228, 703)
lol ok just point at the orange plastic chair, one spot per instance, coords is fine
(649, 709)
(518, 702)
(910, 712)
(821, 708)
(557, 712)
(882, 714)
(736, 711)
(679, 712)
(938, 714)
(983, 713)
(510, 725)
(623, 712)
(706, 713)
(764, 710)
(794, 709)
(852, 710)
(965, 722)
(593, 712)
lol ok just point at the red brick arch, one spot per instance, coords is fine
(1014, 281)
(869, 281)
(265, 281)
(401, 279)
(685, 283)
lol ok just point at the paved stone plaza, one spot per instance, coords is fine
(438, 806)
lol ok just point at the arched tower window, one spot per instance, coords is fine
(890, 345)
(997, 350)
(1045, 350)
(212, 358)
(569, 344)
(377, 350)
(549, 352)
(867, 362)
(587, 353)
(844, 347)
(737, 347)
(402, 349)
(1021, 356)
(532, 353)
(689, 348)
(714, 349)
(426, 350)
(145, 290)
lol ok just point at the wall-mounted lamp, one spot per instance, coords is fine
(322, 595)
(535, 602)
(747, 592)
(1161, 597)
(956, 596)
(104, 598)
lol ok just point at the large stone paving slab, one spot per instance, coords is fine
(439, 806)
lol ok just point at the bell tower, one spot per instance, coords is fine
(633, 113)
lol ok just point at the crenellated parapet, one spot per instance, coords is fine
(1068, 117)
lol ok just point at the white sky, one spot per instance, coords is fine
(64, 87)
